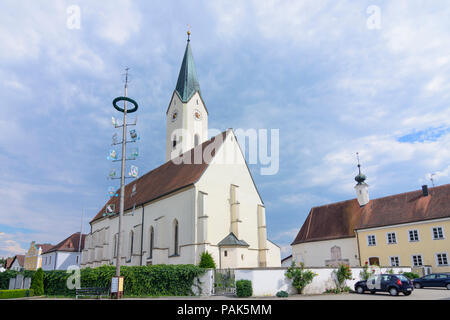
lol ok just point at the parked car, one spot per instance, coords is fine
(433, 280)
(392, 283)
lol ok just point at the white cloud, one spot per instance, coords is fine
(8, 246)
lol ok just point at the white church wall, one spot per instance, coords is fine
(315, 254)
(268, 281)
(217, 180)
(273, 255)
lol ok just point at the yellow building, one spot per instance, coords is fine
(408, 229)
(33, 257)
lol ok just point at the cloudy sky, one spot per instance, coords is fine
(335, 77)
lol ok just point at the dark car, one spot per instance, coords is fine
(392, 283)
(433, 280)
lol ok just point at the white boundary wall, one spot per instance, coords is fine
(268, 281)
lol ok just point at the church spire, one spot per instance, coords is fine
(187, 83)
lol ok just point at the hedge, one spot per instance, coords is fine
(153, 280)
(17, 293)
(244, 288)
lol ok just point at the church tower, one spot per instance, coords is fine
(362, 188)
(186, 116)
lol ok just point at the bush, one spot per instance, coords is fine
(153, 280)
(365, 274)
(207, 261)
(17, 293)
(37, 283)
(300, 277)
(282, 294)
(411, 275)
(343, 273)
(244, 288)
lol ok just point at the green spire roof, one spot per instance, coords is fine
(187, 83)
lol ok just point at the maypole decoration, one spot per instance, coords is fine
(117, 281)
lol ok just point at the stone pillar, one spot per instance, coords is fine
(19, 282)
(27, 283)
(234, 205)
(262, 236)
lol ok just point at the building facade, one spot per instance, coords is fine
(65, 254)
(202, 199)
(413, 233)
(33, 257)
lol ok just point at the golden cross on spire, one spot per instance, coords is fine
(189, 31)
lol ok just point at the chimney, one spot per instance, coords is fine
(425, 190)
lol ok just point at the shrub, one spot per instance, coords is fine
(282, 294)
(365, 274)
(300, 277)
(411, 275)
(244, 288)
(207, 261)
(37, 283)
(342, 273)
(390, 271)
(17, 293)
(153, 280)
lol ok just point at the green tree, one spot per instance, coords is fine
(207, 261)
(342, 273)
(300, 277)
(37, 283)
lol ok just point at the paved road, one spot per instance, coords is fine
(418, 294)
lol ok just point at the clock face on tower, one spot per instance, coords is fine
(197, 114)
(174, 115)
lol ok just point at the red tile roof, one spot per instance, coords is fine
(165, 179)
(44, 246)
(332, 221)
(8, 263)
(340, 219)
(71, 244)
(20, 259)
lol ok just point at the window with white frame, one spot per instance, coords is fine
(417, 260)
(395, 261)
(442, 259)
(413, 235)
(391, 238)
(371, 241)
(438, 233)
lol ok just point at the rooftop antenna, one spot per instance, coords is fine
(431, 178)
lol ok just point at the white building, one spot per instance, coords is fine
(202, 198)
(18, 263)
(327, 237)
(64, 254)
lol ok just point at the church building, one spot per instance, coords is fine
(203, 198)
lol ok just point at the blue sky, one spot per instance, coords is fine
(312, 69)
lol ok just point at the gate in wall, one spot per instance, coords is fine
(224, 282)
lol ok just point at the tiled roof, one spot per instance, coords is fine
(45, 246)
(340, 219)
(232, 240)
(332, 221)
(8, 263)
(70, 244)
(20, 259)
(407, 207)
(165, 179)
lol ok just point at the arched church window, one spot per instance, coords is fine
(175, 237)
(152, 242)
(196, 140)
(174, 142)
